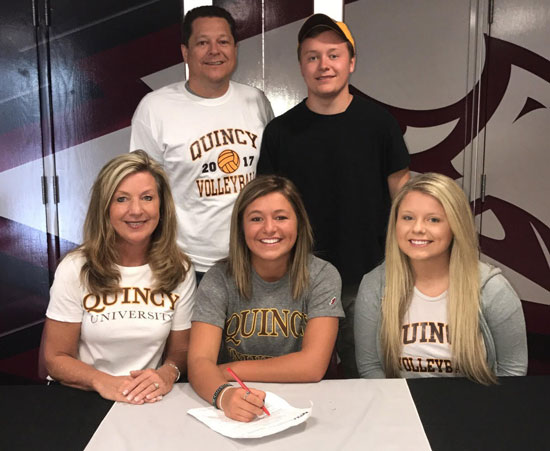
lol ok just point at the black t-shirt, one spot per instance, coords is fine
(340, 164)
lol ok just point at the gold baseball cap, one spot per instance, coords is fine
(324, 21)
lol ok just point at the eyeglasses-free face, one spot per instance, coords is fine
(270, 230)
(422, 229)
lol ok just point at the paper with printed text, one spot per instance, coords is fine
(283, 416)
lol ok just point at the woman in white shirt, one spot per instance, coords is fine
(120, 306)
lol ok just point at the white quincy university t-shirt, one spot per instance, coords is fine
(124, 331)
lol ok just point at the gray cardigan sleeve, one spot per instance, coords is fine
(504, 316)
(367, 325)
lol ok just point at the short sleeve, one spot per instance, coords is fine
(367, 324)
(66, 292)
(143, 135)
(397, 155)
(212, 298)
(324, 297)
(267, 164)
(268, 111)
(184, 306)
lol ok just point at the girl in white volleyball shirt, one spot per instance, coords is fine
(425, 337)
(433, 308)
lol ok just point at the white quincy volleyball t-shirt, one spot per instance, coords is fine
(425, 338)
(209, 149)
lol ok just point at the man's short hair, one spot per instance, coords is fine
(205, 11)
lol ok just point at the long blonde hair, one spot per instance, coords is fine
(467, 345)
(99, 273)
(239, 264)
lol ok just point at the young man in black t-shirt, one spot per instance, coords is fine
(347, 157)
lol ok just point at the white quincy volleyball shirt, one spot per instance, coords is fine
(425, 337)
(210, 149)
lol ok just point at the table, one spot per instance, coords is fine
(456, 414)
(347, 414)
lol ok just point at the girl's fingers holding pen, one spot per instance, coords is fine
(236, 407)
(256, 398)
(245, 415)
(258, 393)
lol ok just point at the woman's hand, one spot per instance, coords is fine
(205, 376)
(240, 405)
(111, 387)
(149, 385)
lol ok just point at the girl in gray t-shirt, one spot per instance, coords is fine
(270, 310)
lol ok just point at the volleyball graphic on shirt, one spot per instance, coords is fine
(228, 161)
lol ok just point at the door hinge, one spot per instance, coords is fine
(55, 189)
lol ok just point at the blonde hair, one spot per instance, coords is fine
(239, 264)
(168, 264)
(467, 345)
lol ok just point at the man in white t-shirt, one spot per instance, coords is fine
(206, 132)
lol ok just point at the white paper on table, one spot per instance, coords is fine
(283, 416)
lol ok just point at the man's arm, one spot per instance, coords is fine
(397, 180)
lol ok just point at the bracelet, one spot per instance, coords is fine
(177, 369)
(221, 397)
(217, 393)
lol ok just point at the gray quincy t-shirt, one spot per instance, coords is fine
(271, 323)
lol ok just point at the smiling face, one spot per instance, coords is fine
(270, 230)
(422, 229)
(326, 65)
(134, 211)
(211, 56)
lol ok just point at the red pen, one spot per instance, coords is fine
(242, 384)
